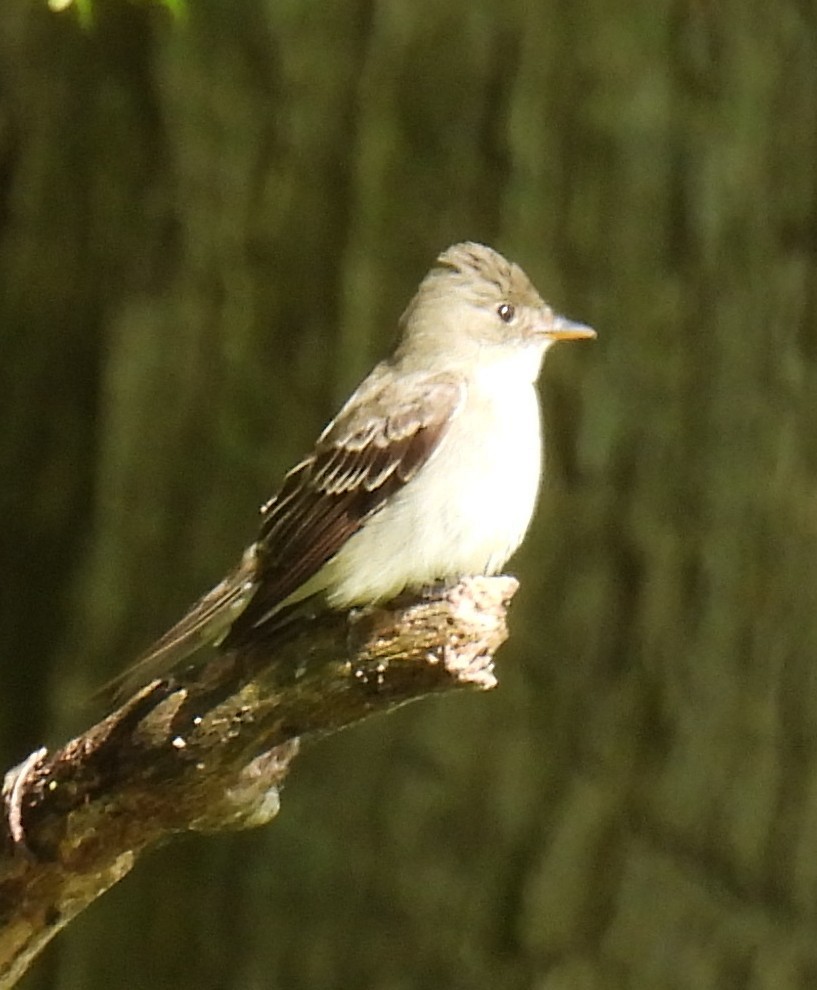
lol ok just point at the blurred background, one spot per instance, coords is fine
(209, 225)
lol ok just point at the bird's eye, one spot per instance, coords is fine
(506, 312)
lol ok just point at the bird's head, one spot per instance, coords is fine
(475, 306)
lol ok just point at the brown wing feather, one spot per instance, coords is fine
(377, 443)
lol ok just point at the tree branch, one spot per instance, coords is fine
(208, 750)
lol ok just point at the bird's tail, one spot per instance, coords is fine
(206, 623)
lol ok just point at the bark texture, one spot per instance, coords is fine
(207, 751)
(207, 230)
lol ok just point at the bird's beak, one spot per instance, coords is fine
(564, 329)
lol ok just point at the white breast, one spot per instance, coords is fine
(466, 510)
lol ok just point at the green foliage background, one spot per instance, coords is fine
(209, 224)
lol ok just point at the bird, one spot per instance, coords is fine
(429, 472)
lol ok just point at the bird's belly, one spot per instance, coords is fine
(465, 512)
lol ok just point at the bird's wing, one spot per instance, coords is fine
(384, 434)
(381, 438)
